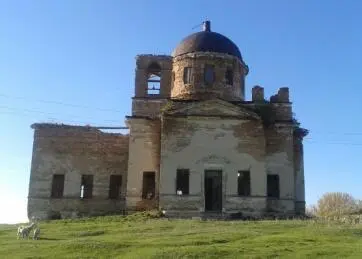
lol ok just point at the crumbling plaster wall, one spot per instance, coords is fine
(280, 147)
(147, 107)
(280, 161)
(197, 88)
(73, 151)
(299, 175)
(199, 144)
(144, 156)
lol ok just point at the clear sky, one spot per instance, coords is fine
(73, 62)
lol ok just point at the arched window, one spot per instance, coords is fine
(209, 76)
(229, 76)
(153, 79)
(187, 75)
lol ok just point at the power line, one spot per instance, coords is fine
(119, 111)
(336, 133)
(306, 140)
(47, 113)
(61, 103)
(332, 143)
(54, 120)
(15, 111)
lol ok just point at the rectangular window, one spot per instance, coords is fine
(187, 75)
(273, 185)
(209, 74)
(115, 184)
(86, 188)
(182, 181)
(148, 190)
(57, 186)
(244, 183)
(229, 77)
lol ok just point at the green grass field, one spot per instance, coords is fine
(139, 236)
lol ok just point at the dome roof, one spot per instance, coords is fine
(207, 41)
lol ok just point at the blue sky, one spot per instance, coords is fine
(73, 62)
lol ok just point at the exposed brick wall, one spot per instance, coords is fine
(197, 88)
(237, 135)
(147, 107)
(73, 151)
(144, 156)
(142, 64)
(257, 94)
(283, 111)
(280, 161)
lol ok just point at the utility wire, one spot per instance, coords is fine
(331, 143)
(336, 133)
(20, 112)
(48, 113)
(61, 103)
(15, 111)
(52, 120)
(55, 120)
(119, 111)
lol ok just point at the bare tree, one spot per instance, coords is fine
(311, 211)
(336, 204)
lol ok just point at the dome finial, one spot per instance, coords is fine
(206, 26)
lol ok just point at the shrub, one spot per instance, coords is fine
(335, 204)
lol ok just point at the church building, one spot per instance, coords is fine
(194, 147)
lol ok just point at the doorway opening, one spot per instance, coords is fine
(149, 185)
(213, 190)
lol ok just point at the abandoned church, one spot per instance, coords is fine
(193, 145)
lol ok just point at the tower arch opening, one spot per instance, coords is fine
(154, 79)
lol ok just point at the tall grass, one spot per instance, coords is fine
(144, 235)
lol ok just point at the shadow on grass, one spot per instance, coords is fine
(89, 233)
(49, 238)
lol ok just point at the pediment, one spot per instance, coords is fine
(214, 108)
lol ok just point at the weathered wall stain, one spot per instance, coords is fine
(73, 151)
(196, 126)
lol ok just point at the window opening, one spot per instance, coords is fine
(229, 77)
(273, 185)
(154, 79)
(187, 75)
(115, 184)
(86, 187)
(148, 190)
(244, 183)
(57, 186)
(209, 74)
(153, 84)
(182, 181)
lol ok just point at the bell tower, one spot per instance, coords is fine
(153, 76)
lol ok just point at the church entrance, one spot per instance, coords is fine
(213, 190)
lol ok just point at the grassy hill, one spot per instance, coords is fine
(139, 236)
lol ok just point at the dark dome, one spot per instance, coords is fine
(207, 41)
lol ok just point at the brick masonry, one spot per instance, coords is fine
(197, 88)
(73, 151)
(195, 126)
